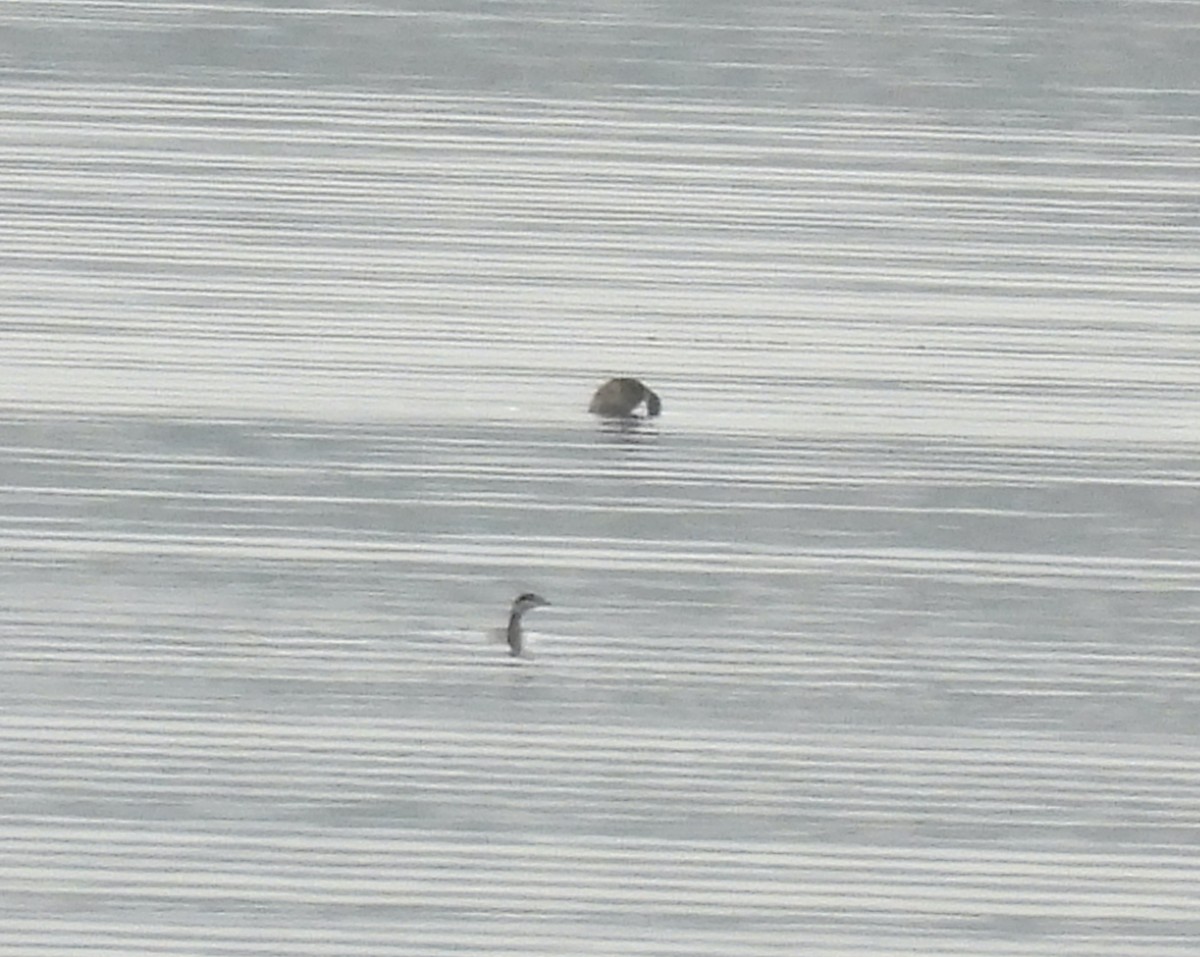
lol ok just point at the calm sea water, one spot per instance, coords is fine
(881, 640)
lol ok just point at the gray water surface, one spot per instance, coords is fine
(881, 640)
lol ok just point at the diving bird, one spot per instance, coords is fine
(618, 398)
(514, 633)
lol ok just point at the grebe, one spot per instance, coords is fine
(619, 397)
(514, 634)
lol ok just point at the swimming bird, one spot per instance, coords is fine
(514, 634)
(619, 397)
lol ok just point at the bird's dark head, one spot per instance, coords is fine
(526, 601)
